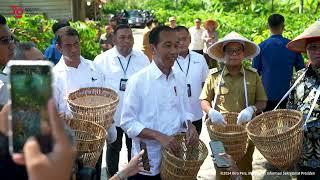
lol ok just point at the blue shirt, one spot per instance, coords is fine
(52, 53)
(275, 64)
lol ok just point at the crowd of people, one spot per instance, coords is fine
(164, 88)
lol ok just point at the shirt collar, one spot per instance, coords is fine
(276, 36)
(226, 71)
(61, 66)
(115, 53)
(182, 58)
(157, 73)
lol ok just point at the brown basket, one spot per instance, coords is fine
(93, 99)
(105, 119)
(234, 136)
(94, 104)
(186, 164)
(90, 138)
(278, 135)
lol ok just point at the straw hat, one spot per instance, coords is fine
(172, 18)
(299, 43)
(251, 50)
(210, 21)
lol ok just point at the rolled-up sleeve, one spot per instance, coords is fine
(129, 118)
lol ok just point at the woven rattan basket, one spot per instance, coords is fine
(233, 136)
(94, 104)
(104, 119)
(186, 164)
(93, 99)
(278, 135)
(90, 138)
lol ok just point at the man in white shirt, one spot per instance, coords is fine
(194, 67)
(155, 103)
(7, 47)
(73, 71)
(118, 65)
(196, 32)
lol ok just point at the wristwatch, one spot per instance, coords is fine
(121, 175)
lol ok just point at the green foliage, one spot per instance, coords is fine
(38, 29)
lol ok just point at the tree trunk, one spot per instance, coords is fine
(301, 7)
(318, 5)
(271, 5)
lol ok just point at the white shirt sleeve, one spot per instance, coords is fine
(129, 118)
(205, 69)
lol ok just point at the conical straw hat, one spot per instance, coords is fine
(299, 43)
(251, 50)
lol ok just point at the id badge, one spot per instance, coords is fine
(189, 90)
(123, 84)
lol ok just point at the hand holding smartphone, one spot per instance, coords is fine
(30, 88)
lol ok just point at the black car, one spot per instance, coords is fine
(136, 19)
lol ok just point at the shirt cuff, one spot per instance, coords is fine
(134, 129)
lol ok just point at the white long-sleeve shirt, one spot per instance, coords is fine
(156, 102)
(108, 63)
(4, 93)
(68, 79)
(196, 38)
(195, 75)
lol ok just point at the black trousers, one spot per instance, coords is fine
(144, 177)
(198, 125)
(198, 51)
(272, 104)
(113, 151)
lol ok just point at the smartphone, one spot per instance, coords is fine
(145, 158)
(217, 151)
(30, 87)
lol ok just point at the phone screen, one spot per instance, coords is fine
(30, 89)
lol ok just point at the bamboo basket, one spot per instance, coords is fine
(90, 138)
(186, 164)
(94, 104)
(105, 119)
(278, 135)
(93, 99)
(234, 136)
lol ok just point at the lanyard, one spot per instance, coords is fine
(124, 70)
(219, 85)
(188, 65)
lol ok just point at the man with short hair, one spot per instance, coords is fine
(195, 69)
(73, 72)
(118, 65)
(173, 22)
(106, 39)
(6, 53)
(27, 51)
(155, 103)
(196, 32)
(8, 169)
(275, 63)
(52, 53)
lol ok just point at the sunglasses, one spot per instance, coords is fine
(6, 40)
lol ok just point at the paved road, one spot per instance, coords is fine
(207, 171)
